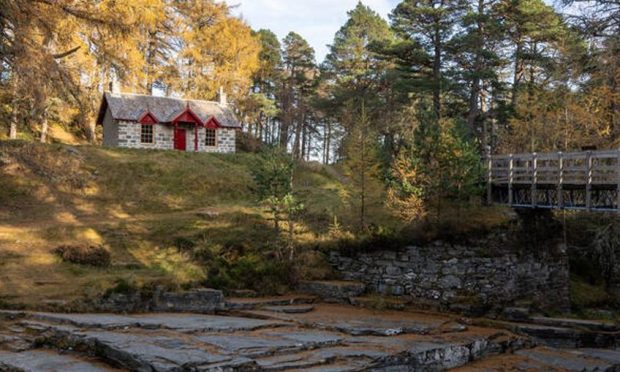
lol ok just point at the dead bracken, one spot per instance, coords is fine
(92, 255)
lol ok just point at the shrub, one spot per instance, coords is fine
(184, 244)
(266, 276)
(585, 295)
(84, 255)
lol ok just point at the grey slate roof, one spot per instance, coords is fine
(132, 107)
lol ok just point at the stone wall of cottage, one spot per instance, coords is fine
(448, 276)
(129, 137)
(225, 141)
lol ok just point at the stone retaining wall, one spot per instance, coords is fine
(450, 276)
(194, 301)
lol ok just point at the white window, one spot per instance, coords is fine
(146, 133)
(211, 138)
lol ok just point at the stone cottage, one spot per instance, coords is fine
(164, 123)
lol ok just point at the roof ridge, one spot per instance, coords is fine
(164, 97)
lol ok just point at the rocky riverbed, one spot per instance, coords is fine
(308, 337)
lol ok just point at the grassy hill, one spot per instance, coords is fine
(165, 217)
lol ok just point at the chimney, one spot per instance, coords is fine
(223, 98)
(114, 85)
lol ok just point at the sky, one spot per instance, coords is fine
(316, 20)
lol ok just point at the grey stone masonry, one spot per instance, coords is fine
(445, 275)
(129, 136)
(163, 138)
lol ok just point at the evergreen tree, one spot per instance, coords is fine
(298, 81)
(274, 179)
(429, 24)
(356, 71)
(356, 68)
(476, 53)
(533, 29)
(438, 165)
(262, 104)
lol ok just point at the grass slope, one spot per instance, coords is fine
(166, 217)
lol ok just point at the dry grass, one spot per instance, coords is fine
(138, 205)
(167, 217)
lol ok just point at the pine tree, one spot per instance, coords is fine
(476, 51)
(429, 24)
(357, 72)
(357, 68)
(533, 29)
(298, 82)
(261, 106)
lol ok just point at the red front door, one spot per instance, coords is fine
(179, 139)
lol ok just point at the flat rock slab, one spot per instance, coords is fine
(244, 303)
(359, 322)
(142, 352)
(563, 337)
(566, 361)
(49, 361)
(181, 322)
(292, 309)
(330, 338)
(593, 325)
(550, 359)
(270, 342)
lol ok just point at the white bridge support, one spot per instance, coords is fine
(587, 180)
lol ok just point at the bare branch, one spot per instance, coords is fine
(66, 54)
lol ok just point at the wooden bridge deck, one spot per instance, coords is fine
(588, 180)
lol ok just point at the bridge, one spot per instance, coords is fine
(587, 180)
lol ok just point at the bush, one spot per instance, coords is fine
(264, 275)
(585, 295)
(91, 255)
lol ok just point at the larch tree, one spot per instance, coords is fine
(361, 164)
(52, 45)
(218, 51)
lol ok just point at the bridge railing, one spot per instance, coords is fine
(575, 180)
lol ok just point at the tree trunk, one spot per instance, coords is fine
(613, 85)
(475, 85)
(484, 109)
(325, 142)
(44, 127)
(518, 74)
(363, 185)
(298, 134)
(285, 123)
(14, 109)
(437, 74)
(13, 127)
(43, 109)
(304, 133)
